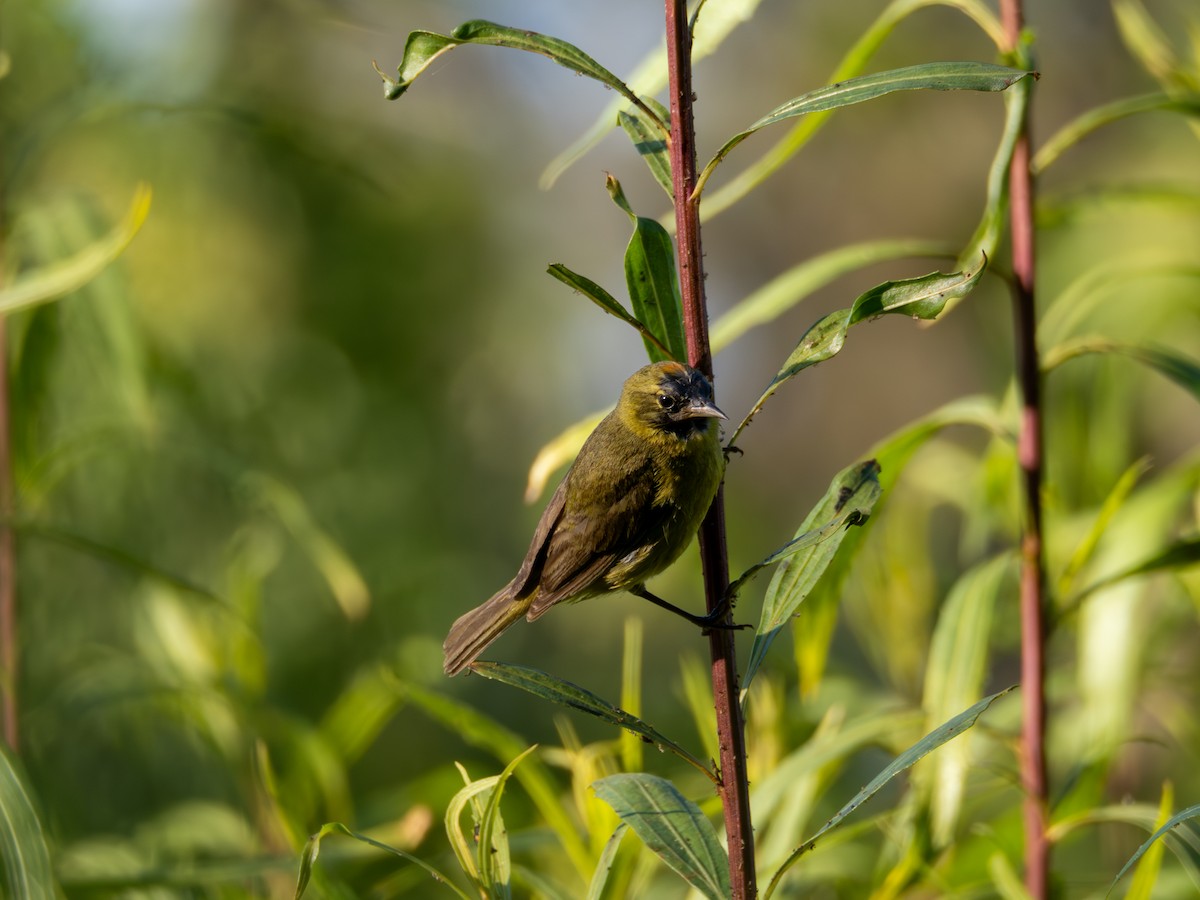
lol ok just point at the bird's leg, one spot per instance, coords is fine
(715, 619)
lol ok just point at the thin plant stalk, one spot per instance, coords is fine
(8, 563)
(1030, 457)
(734, 785)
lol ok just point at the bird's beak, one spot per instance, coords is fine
(701, 409)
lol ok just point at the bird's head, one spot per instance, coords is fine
(669, 397)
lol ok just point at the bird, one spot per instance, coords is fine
(626, 509)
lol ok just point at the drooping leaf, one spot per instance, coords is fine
(720, 18)
(556, 690)
(922, 298)
(311, 850)
(1181, 369)
(1179, 555)
(905, 760)
(848, 501)
(852, 64)
(423, 47)
(652, 282)
(786, 290)
(940, 76)
(56, 279)
(23, 850)
(606, 302)
(672, 826)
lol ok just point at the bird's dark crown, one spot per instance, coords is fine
(671, 397)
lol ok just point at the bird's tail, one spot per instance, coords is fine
(472, 632)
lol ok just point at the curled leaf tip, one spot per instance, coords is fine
(391, 87)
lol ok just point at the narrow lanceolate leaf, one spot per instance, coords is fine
(1192, 812)
(672, 826)
(783, 292)
(495, 860)
(905, 760)
(650, 76)
(849, 501)
(923, 298)
(941, 76)
(606, 302)
(309, 857)
(954, 676)
(651, 146)
(605, 863)
(1180, 555)
(56, 279)
(540, 684)
(652, 282)
(1181, 369)
(23, 850)
(423, 47)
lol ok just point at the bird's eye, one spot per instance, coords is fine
(666, 401)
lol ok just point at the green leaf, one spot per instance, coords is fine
(954, 677)
(1192, 812)
(313, 848)
(905, 760)
(1141, 887)
(652, 282)
(495, 860)
(605, 863)
(1094, 119)
(650, 76)
(786, 290)
(1180, 555)
(558, 452)
(849, 501)
(52, 281)
(922, 298)
(940, 76)
(481, 731)
(672, 826)
(423, 47)
(564, 693)
(1181, 369)
(23, 850)
(632, 747)
(852, 64)
(606, 302)
(651, 147)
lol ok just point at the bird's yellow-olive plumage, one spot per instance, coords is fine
(625, 510)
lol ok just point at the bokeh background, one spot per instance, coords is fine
(284, 440)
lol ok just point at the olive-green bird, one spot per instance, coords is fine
(625, 510)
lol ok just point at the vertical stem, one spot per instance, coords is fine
(1029, 453)
(734, 789)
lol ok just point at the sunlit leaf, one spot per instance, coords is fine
(905, 760)
(605, 863)
(954, 677)
(56, 279)
(311, 850)
(23, 850)
(848, 501)
(1183, 370)
(651, 147)
(564, 693)
(672, 826)
(922, 298)
(940, 76)
(482, 731)
(652, 283)
(1180, 555)
(784, 291)
(495, 860)
(632, 745)
(1141, 887)
(423, 47)
(560, 451)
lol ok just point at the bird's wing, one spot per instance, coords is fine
(588, 541)
(535, 556)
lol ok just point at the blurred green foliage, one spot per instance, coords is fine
(265, 459)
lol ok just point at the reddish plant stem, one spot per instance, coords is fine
(731, 738)
(1030, 458)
